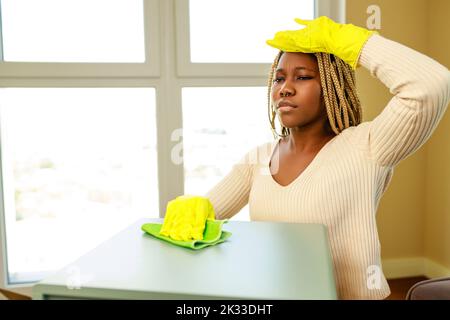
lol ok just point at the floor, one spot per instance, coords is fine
(400, 287)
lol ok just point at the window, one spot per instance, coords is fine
(216, 38)
(96, 95)
(79, 38)
(78, 123)
(232, 120)
(70, 30)
(238, 35)
(78, 161)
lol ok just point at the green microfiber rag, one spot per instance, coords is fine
(212, 235)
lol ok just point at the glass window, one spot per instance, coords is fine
(236, 31)
(219, 126)
(73, 30)
(78, 165)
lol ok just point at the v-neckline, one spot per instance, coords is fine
(314, 161)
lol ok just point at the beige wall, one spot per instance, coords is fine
(437, 216)
(414, 214)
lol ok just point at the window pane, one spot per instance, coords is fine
(236, 30)
(79, 165)
(219, 126)
(73, 30)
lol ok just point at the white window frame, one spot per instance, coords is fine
(149, 68)
(334, 9)
(167, 68)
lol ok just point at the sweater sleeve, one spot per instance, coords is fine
(421, 89)
(231, 193)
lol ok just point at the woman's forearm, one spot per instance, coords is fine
(421, 89)
(231, 193)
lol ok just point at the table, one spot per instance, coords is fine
(261, 260)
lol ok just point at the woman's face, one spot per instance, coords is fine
(296, 91)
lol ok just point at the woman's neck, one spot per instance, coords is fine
(307, 141)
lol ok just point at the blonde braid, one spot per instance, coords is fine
(327, 84)
(271, 109)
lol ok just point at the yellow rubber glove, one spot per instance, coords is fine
(324, 35)
(186, 217)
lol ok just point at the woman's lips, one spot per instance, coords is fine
(286, 108)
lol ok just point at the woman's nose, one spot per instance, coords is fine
(287, 90)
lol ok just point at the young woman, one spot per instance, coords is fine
(326, 166)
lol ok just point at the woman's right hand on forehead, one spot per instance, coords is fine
(324, 35)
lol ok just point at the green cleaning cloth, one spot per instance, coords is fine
(212, 235)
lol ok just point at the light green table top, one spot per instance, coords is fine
(261, 260)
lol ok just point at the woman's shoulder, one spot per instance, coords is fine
(357, 139)
(356, 134)
(259, 153)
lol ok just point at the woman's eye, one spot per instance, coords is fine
(276, 80)
(279, 79)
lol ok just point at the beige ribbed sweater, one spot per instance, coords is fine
(341, 188)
